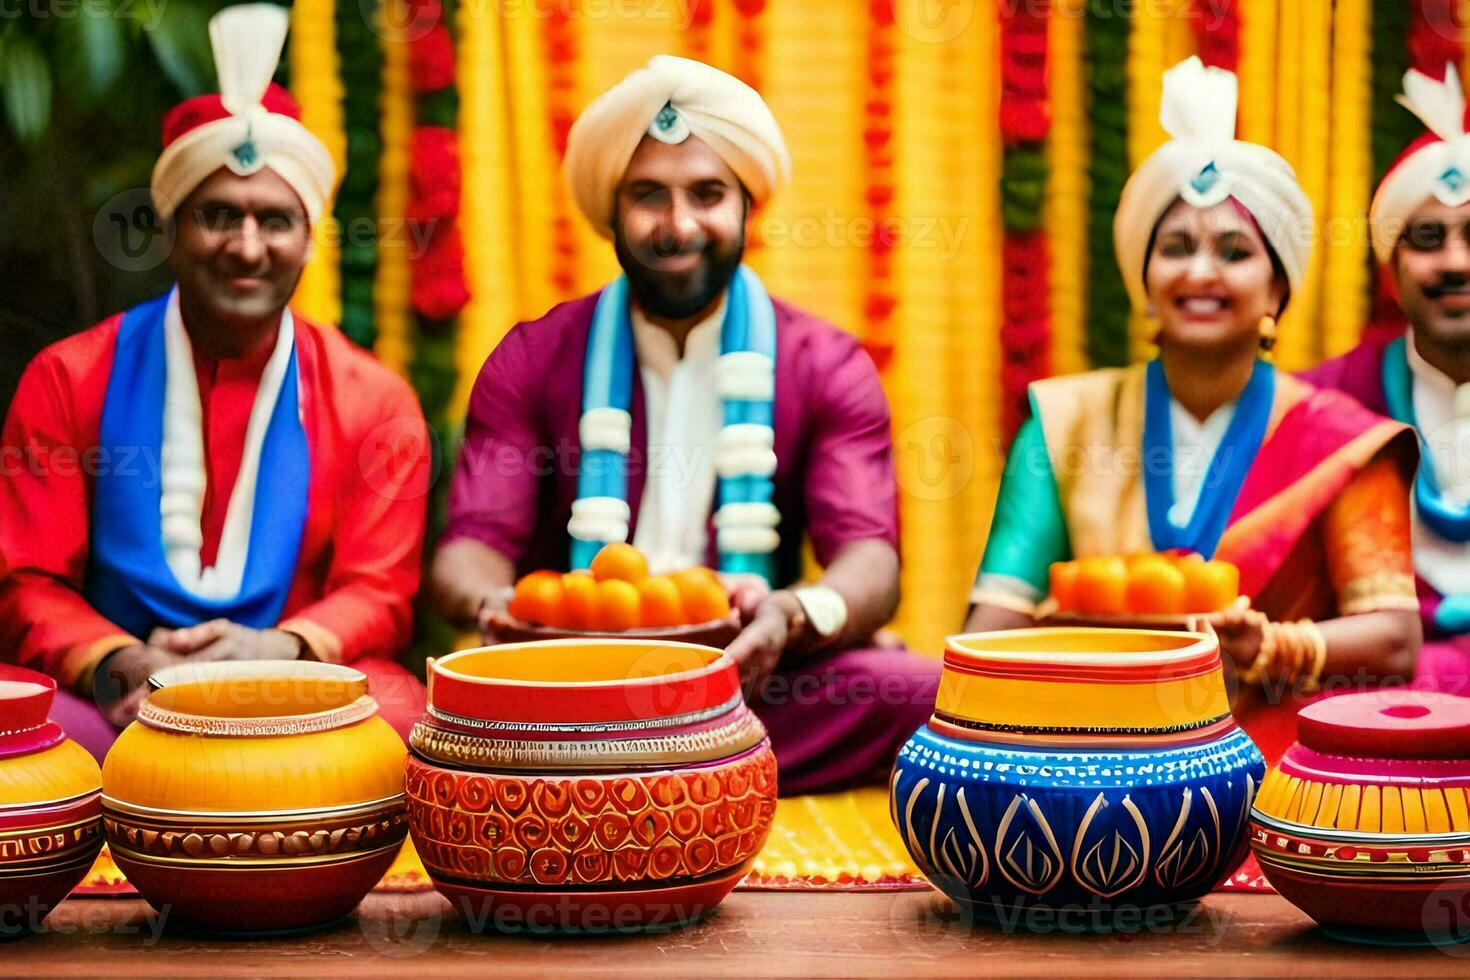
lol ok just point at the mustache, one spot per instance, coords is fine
(1453, 282)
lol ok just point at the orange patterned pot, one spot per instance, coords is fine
(647, 815)
(256, 797)
(50, 806)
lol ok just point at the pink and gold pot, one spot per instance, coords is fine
(50, 804)
(588, 784)
(255, 796)
(1365, 822)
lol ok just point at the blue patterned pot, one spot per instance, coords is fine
(1052, 777)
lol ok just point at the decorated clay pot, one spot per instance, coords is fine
(588, 784)
(255, 796)
(1365, 823)
(1077, 776)
(50, 804)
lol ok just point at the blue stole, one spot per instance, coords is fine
(607, 382)
(1227, 471)
(1445, 518)
(128, 578)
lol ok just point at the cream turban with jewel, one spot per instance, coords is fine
(249, 126)
(671, 99)
(1435, 165)
(1205, 164)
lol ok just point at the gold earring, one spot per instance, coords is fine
(1152, 326)
(1268, 333)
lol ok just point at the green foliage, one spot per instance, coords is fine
(68, 61)
(1107, 304)
(25, 84)
(84, 86)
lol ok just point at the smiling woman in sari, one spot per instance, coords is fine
(1208, 448)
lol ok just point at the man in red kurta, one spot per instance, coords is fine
(207, 476)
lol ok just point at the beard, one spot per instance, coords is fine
(677, 295)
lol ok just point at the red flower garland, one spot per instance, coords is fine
(431, 60)
(749, 44)
(438, 289)
(433, 175)
(1217, 33)
(878, 158)
(749, 41)
(1025, 121)
(700, 16)
(1435, 36)
(560, 42)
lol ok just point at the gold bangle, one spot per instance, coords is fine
(1292, 643)
(1265, 656)
(1313, 682)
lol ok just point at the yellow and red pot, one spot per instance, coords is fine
(588, 784)
(1364, 824)
(255, 796)
(50, 804)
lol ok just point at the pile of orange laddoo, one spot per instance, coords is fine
(617, 594)
(1144, 585)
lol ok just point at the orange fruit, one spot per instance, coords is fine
(703, 597)
(660, 602)
(621, 562)
(1064, 585)
(1155, 587)
(1209, 586)
(1102, 586)
(579, 596)
(697, 574)
(617, 607)
(538, 599)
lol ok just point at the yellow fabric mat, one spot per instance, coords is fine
(840, 841)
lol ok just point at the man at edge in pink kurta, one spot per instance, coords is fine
(667, 165)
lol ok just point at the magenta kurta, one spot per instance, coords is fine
(1444, 659)
(835, 720)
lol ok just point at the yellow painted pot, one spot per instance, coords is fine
(256, 796)
(1081, 679)
(50, 789)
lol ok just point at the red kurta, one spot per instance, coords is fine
(359, 563)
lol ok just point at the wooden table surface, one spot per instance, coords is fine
(752, 933)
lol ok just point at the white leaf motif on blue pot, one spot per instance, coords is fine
(964, 860)
(1026, 850)
(1189, 854)
(1110, 856)
(921, 857)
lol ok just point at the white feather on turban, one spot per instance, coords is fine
(1204, 164)
(250, 126)
(703, 102)
(1435, 165)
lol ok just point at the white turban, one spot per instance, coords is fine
(249, 126)
(1435, 165)
(672, 99)
(1204, 164)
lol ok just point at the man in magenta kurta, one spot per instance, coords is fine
(1420, 223)
(667, 164)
